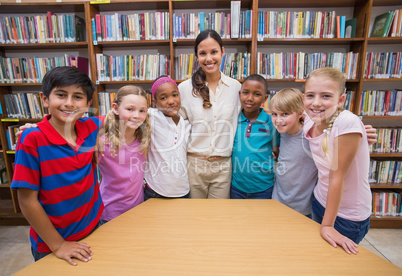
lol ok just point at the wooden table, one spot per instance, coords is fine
(213, 237)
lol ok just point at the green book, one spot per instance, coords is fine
(350, 28)
(382, 24)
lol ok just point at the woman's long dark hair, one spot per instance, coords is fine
(200, 89)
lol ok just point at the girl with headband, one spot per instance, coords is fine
(166, 166)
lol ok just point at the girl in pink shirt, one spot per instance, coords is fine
(338, 142)
(122, 149)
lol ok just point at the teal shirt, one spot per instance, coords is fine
(252, 160)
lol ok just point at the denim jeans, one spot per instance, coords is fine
(354, 230)
(149, 193)
(237, 194)
(39, 255)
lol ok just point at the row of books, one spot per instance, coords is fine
(185, 66)
(131, 67)
(189, 25)
(386, 203)
(49, 28)
(387, 24)
(11, 137)
(385, 171)
(383, 65)
(381, 103)
(299, 65)
(106, 100)
(32, 70)
(137, 26)
(24, 105)
(389, 141)
(303, 24)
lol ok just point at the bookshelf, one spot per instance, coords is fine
(173, 47)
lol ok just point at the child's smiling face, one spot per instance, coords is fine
(167, 99)
(322, 97)
(252, 95)
(286, 122)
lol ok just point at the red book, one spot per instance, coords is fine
(98, 27)
(387, 102)
(50, 27)
(142, 26)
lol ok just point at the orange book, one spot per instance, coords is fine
(338, 26)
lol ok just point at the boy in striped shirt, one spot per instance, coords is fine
(54, 174)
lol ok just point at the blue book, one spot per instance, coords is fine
(93, 29)
(109, 27)
(222, 63)
(180, 26)
(342, 26)
(202, 21)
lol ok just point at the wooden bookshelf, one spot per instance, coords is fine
(363, 10)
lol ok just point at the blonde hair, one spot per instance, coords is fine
(289, 100)
(112, 125)
(337, 76)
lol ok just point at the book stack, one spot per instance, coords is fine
(299, 65)
(138, 26)
(383, 65)
(389, 141)
(49, 28)
(24, 105)
(388, 24)
(32, 70)
(381, 103)
(131, 67)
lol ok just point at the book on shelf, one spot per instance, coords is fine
(47, 28)
(350, 28)
(293, 24)
(381, 103)
(387, 203)
(299, 65)
(383, 65)
(131, 67)
(389, 141)
(235, 18)
(381, 25)
(32, 69)
(24, 106)
(11, 137)
(383, 172)
(129, 27)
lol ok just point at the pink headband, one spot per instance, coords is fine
(159, 82)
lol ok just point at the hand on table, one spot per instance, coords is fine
(69, 250)
(333, 237)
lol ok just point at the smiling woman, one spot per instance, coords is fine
(210, 101)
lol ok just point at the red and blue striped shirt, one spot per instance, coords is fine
(65, 177)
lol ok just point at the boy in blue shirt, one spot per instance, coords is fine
(255, 142)
(54, 174)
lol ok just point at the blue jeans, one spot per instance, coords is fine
(149, 193)
(237, 194)
(354, 230)
(39, 255)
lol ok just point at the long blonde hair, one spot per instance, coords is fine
(112, 125)
(337, 76)
(289, 100)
